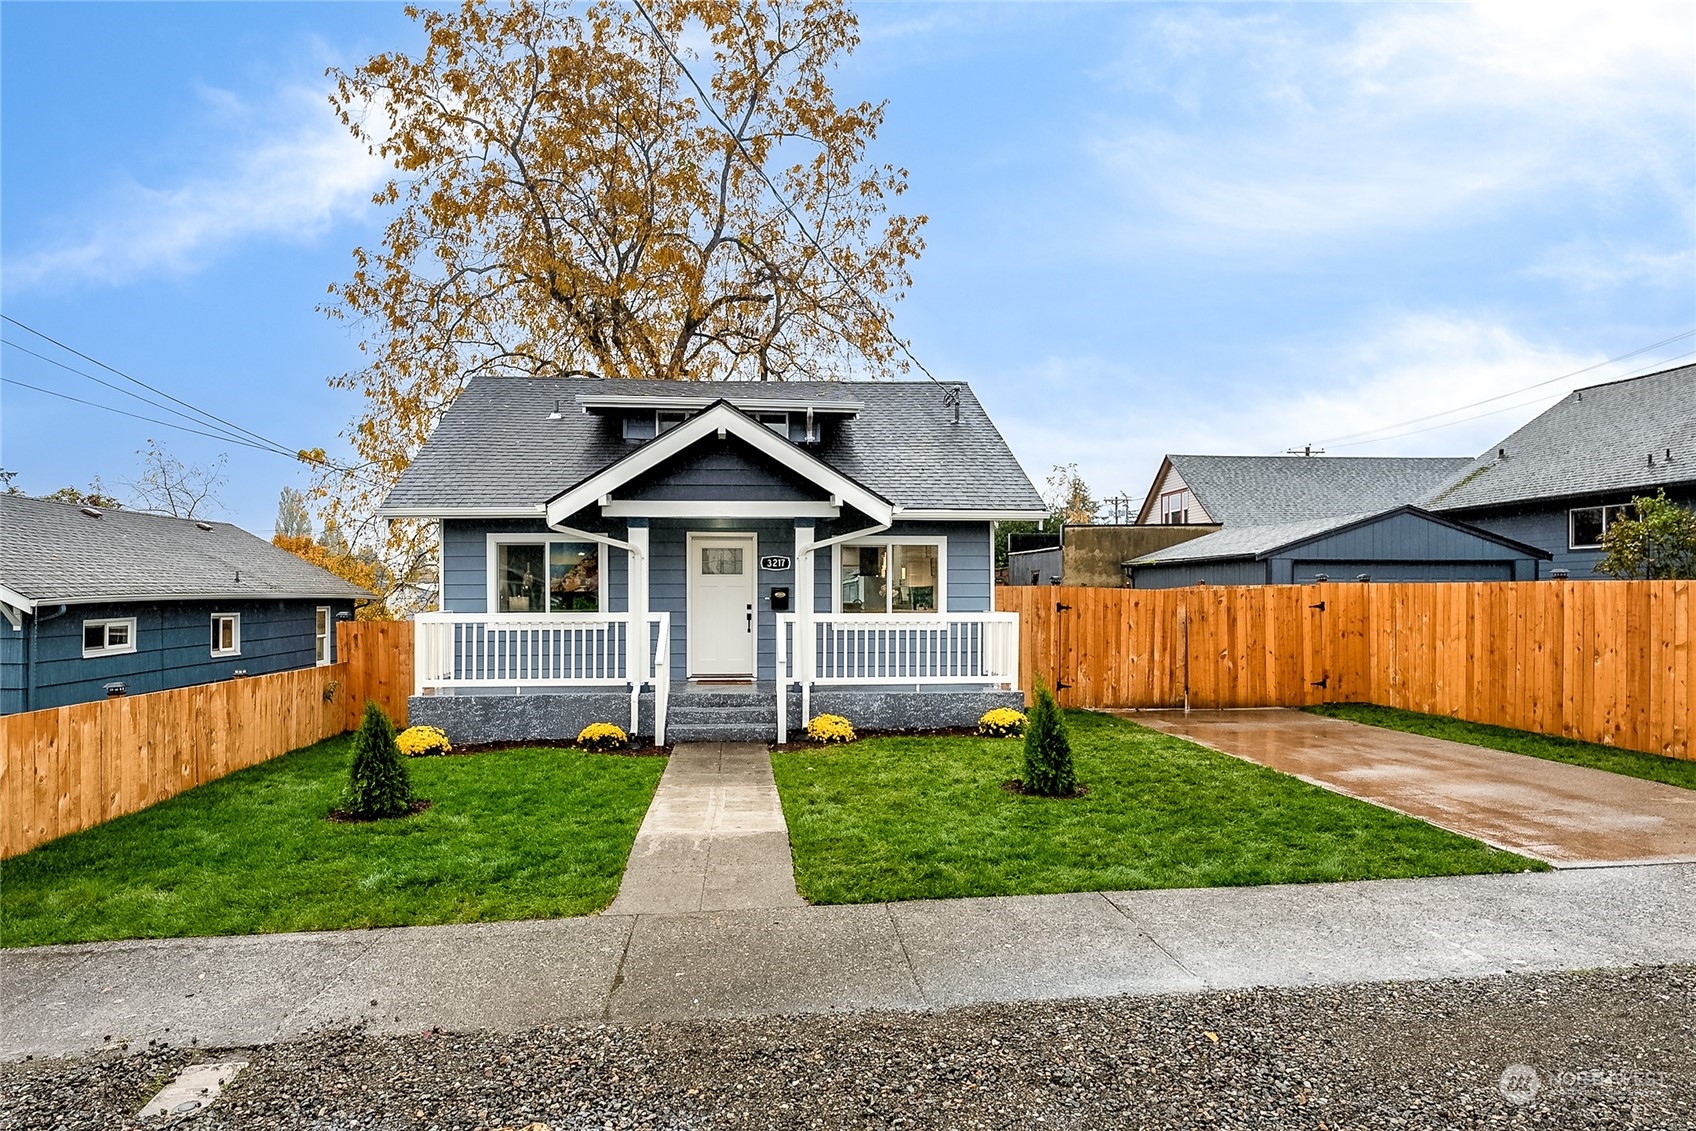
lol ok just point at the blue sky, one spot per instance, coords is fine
(1153, 228)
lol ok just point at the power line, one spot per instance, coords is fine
(231, 436)
(135, 415)
(1509, 393)
(1506, 408)
(213, 417)
(759, 170)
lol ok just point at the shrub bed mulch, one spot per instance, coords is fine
(549, 744)
(862, 735)
(343, 817)
(1015, 786)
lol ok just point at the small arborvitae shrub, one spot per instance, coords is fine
(1003, 722)
(829, 729)
(417, 742)
(1048, 751)
(378, 785)
(601, 737)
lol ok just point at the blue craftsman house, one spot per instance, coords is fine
(712, 561)
(112, 602)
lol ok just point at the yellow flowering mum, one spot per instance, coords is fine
(602, 737)
(1003, 722)
(415, 742)
(830, 728)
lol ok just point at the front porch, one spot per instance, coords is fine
(488, 678)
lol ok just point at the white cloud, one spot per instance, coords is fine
(1291, 127)
(288, 170)
(1407, 368)
(1590, 265)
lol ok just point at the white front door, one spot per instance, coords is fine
(723, 570)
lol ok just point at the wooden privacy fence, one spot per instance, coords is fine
(1603, 661)
(69, 768)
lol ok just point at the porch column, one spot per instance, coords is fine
(805, 568)
(636, 585)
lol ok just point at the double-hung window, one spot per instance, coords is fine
(111, 637)
(1175, 507)
(1587, 525)
(540, 575)
(895, 576)
(323, 627)
(226, 634)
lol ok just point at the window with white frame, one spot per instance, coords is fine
(1587, 525)
(546, 576)
(226, 634)
(321, 647)
(896, 576)
(665, 420)
(777, 421)
(110, 637)
(1175, 507)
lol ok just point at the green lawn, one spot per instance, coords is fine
(1632, 763)
(511, 835)
(922, 818)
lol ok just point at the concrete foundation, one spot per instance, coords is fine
(700, 715)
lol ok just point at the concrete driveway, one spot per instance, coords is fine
(1569, 816)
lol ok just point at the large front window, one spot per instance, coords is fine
(891, 577)
(547, 577)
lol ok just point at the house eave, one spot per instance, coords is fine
(207, 595)
(436, 512)
(968, 514)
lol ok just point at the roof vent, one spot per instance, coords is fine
(203, 526)
(556, 414)
(1501, 453)
(91, 512)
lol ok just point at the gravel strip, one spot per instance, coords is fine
(1610, 1049)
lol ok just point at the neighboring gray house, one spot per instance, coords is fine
(620, 549)
(1558, 482)
(103, 601)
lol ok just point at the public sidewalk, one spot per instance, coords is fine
(714, 838)
(256, 989)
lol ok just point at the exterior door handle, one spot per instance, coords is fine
(750, 618)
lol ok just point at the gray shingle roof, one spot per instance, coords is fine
(1593, 441)
(52, 552)
(1267, 490)
(496, 447)
(1247, 541)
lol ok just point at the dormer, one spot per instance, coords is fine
(798, 419)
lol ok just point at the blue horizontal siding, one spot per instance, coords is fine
(727, 470)
(465, 561)
(173, 648)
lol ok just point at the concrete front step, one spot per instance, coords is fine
(741, 730)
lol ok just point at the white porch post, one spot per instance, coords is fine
(805, 570)
(639, 661)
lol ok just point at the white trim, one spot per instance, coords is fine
(690, 607)
(235, 635)
(437, 511)
(992, 534)
(328, 636)
(17, 600)
(441, 566)
(888, 540)
(242, 594)
(106, 649)
(919, 514)
(723, 420)
(639, 508)
(490, 541)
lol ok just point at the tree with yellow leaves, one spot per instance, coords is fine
(565, 204)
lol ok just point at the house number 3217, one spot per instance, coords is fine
(774, 562)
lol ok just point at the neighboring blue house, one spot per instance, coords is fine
(98, 602)
(1558, 482)
(619, 549)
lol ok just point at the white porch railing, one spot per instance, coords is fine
(453, 651)
(892, 648)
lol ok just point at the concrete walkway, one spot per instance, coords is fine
(714, 838)
(907, 956)
(1569, 816)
